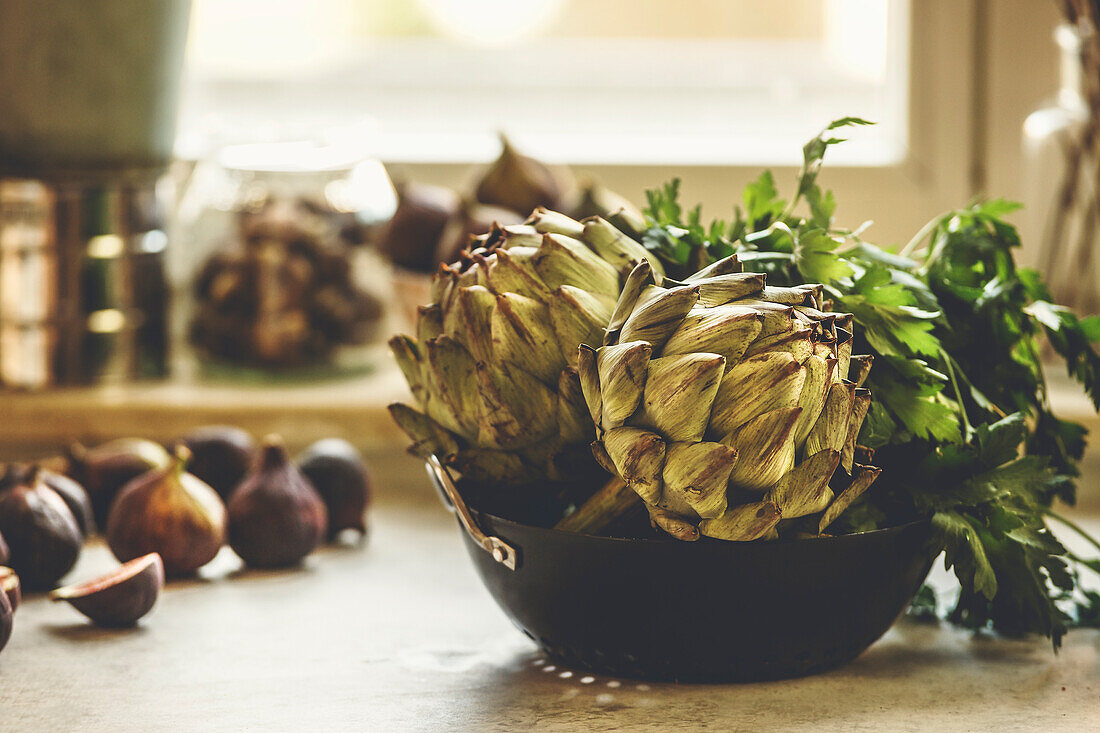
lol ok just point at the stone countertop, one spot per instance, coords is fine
(399, 635)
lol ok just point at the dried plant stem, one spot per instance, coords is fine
(603, 508)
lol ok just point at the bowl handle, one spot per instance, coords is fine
(501, 551)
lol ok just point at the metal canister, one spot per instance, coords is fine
(83, 296)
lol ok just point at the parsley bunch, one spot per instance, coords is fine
(960, 421)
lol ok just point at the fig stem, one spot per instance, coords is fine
(181, 455)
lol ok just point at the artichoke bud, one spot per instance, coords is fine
(628, 219)
(546, 221)
(862, 478)
(622, 371)
(514, 273)
(859, 367)
(845, 321)
(725, 266)
(577, 317)
(725, 330)
(722, 289)
(640, 278)
(657, 314)
(805, 488)
(524, 337)
(472, 321)
(777, 318)
(573, 423)
(859, 412)
(831, 428)
(785, 296)
(674, 525)
(481, 267)
(843, 350)
(699, 472)
(516, 408)
(615, 247)
(429, 323)
(518, 236)
(822, 323)
(452, 403)
(407, 356)
(637, 456)
(563, 260)
(765, 448)
(428, 436)
(798, 342)
(599, 452)
(754, 386)
(816, 293)
(679, 393)
(812, 398)
(467, 278)
(441, 283)
(589, 376)
(492, 466)
(743, 523)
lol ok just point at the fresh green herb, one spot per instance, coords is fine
(960, 421)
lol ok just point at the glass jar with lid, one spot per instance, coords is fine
(271, 258)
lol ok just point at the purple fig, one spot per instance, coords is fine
(6, 613)
(220, 455)
(120, 598)
(276, 517)
(170, 512)
(105, 469)
(411, 237)
(336, 470)
(517, 182)
(72, 493)
(10, 587)
(42, 534)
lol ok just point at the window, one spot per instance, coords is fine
(676, 82)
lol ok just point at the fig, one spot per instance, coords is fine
(9, 586)
(42, 534)
(105, 469)
(276, 517)
(171, 512)
(411, 237)
(471, 221)
(120, 598)
(337, 472)
(592, 199)
(220, 455)
(517, 182)
(6, 613)
(72, 493)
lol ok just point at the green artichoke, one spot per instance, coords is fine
(493, 365)
(724, 403)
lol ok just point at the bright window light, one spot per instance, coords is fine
(725, 82)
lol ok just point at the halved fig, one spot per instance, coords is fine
(9, 585)
(119, 598)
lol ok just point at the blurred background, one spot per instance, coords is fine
(217, 211)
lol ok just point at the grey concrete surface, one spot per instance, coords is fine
(399, 635)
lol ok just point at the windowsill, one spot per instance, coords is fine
(564, 101)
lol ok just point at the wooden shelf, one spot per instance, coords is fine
(352, 408)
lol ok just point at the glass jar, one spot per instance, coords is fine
(1062, 214)
(271, 262)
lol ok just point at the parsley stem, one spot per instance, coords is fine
(920, 236)
(958, 395)
(1074, 526)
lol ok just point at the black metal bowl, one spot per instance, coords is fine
(705, 611)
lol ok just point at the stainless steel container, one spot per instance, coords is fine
(83, 297)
